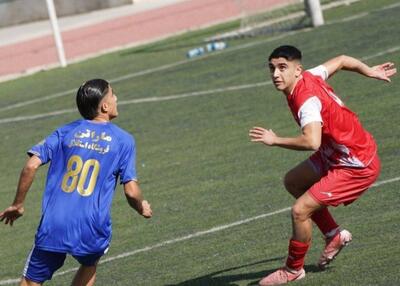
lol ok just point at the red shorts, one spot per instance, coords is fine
(342, 185)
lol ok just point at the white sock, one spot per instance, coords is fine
(331, 233)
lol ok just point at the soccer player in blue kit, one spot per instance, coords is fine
(87, 157)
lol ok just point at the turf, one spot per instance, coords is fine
(197, 166)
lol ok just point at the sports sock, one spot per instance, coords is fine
(297, 253)
(324, 220)
(332, 233)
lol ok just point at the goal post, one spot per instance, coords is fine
(56, 32)
(314, 11)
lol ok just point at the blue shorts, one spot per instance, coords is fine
(41, 264)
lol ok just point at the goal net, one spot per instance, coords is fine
(260, 17)
(285, 15)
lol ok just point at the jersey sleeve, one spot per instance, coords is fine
(320, 71)
(47, 148)
(127, 170)
(310, 111)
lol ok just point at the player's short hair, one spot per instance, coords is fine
(288, 52)
(89, 95)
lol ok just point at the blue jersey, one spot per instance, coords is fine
(87, 158)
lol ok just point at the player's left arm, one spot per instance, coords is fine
(382, 72)
(16, 210)
(134, 196)
(309, 139)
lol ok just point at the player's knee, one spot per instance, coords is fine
(299, 213)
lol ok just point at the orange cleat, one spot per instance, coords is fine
(282, 276)
(333, 246)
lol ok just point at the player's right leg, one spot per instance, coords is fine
(40, 266)
(302, 177)
(86, 274)
(299, 179)
(293, 270)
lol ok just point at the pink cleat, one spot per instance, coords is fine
(282, 276)
(333, 246)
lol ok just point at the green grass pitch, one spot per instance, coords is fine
(197, 166)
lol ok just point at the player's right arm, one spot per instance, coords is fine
(308, 140)
(133, 194)
(382, 72)
(16, 210)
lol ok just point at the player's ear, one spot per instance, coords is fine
(298, 69)
(104, 107)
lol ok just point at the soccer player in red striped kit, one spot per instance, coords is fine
(345, 163)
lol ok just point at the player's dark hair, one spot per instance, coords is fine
(89, 95)
(288, 52)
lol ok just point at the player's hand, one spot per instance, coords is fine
(266, 136)
(146, 209)
(383, 71)
(10, 214)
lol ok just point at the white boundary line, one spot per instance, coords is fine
(146, 72)
(162, 98)
(178, 63)
(140, 100)
(187, 237)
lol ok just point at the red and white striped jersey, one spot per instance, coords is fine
(344, 141)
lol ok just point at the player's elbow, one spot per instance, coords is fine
(341, 59)
(132, 190)
(312, 136)
(31, 167)
(314, 144)
(314, 147)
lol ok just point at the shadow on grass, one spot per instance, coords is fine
(217, 279)
(313, 268)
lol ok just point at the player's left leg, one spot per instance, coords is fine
(26, 282)
(302, 211)
(85, 276)
(342, 186)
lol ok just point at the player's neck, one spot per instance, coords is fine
(101, 118)
(289, 90)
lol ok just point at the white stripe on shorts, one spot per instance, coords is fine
(28, 260)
